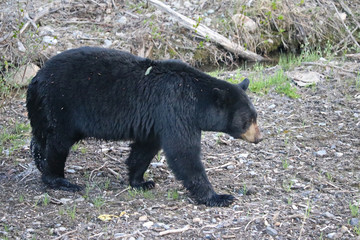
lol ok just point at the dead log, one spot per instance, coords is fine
(208, 33)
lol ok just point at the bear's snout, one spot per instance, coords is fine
(253, 134)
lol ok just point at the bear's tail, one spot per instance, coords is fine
(38, 122)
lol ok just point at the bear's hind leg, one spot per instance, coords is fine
(138, 161)
(53, 172)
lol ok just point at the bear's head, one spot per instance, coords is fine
(235, 107)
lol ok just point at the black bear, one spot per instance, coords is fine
(114, 95)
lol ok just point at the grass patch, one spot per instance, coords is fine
(279, 81)
(12, 139)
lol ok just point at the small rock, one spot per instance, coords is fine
(271, 231)
(66, 200)
(148, 224)
(320, 153)
(187, 4)
(21, 47)
(230, 167)
(122, 20)
(271, 106)
(23, 75)
(30, 230)
(242, 21)
(70, 170)
(143, 218)
(354, 222)
(341, 16)
(61, 229)
(334, 235)
(196, 220)
(338, 154)
(50, 40)
(46, 31)
(131, 238)
(304, 79)
(80, 199)
(213, 220)
(157, 164)
(107, 43)
(329, 215)
(344, 229)
(210, 11)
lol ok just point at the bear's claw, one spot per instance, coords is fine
(60, 183)
(144, 185)
(223, 200)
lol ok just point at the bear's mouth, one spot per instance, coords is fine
(253, 134)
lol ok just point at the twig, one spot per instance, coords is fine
(347, 9)
(347, 29)
(5, 37)
(323, 65)
(124, 190)
(113, 2)
(111, 157)
(253, 220)
(97, 169)
(67, 233)
(39, 15)
(113, 172)
(171, 231)
(222, 166)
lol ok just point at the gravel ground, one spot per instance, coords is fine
(301, 182)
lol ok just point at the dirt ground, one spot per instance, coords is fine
(301, 182)
(298, 183)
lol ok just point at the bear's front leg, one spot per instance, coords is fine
(184, 160)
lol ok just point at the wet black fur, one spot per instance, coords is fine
(113, 95)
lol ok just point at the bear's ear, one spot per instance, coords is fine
(219, 96)
(244, 84)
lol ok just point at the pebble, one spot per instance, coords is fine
(107, 43)
(70, 170)
(122, 20)
(230, 167)
(271, 231)
(21, 47)
(148, 224)
(329, 215)
(334, 235)
(196, 220)
(61, 229)
(66, 200)
(320, 153)
(354, 222)
(50, 40)
(119, 235)
(338, 154)
(143, 218)
(157, 164)
(131, 238)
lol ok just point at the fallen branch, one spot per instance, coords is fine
(39, 15)
(324, 65)
(347, 29)
(171, 231)
(208, 33)
(67, 233)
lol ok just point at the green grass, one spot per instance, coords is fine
(354, 208)
(12, 139)
(278, 81)
(173, 194)
(133, 193)
(98, 202)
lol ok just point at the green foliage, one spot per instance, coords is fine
(285, 163)
(173, 194)
(354, 208)
(12, 139)
(98, 202)
(71, 211)
(46, 199)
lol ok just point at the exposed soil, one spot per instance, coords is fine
(298, 182)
